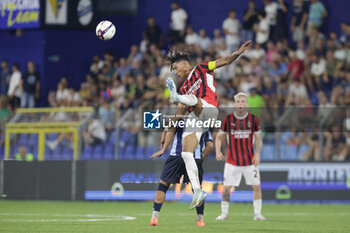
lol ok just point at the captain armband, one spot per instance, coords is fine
(211, 65)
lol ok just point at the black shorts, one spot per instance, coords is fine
(174, 168)
(95, 141)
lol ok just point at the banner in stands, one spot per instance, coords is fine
(56, 12)
(281, 182)
(19, 14)
(69, 14)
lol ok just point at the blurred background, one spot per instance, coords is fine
(71, 104)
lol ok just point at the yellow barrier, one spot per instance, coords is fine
(41, 128)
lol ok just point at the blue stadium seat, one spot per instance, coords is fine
(48, 153)
(52, 136)
(302, 150)
(87, 153)
(289, 153)
(285, 135)
(108, 152)
(140, 152)
(98, 152)
(67, 153)
(33, 139)
(129, 153)
(268, 152)
(23, 138)
(57, 153)
(2, 152)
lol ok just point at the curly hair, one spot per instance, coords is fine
(176, 56)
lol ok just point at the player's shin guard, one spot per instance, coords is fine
(192, 170)
(189, 100)
(224, 207)
(257, 206)
(200, 210)
(158, 206)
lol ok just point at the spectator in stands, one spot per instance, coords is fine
(316, 16)
(106, 112)
(232, 27)
(324, 106)
(262, 30)
(255, 101)
(203, 40)
(178, 23)
(153, 33)
(218, 39)
(249, 19)
(318, 69)
(68, 136)
(297, 94)
(4, 110)
(136, 69)
(118, 91)
(74, 99)
(31, 86)
(135, 55)
(22, 155)
(62, 94)
(123, 69)
(299, 19)
(5, 77)
(15, 90)
(336, 148)
(295, 67)
(271, 16)
(191, 37)
(281, 30)
(95, 134)
(345, 36)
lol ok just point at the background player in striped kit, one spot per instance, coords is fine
(174, 168)
(240, 128)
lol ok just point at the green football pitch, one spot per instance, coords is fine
(104, 217)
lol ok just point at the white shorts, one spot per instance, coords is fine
(208, 112)
(233, 175)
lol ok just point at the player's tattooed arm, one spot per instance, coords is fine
(228, 59)
(209, 146)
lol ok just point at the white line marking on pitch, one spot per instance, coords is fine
(88, 217)
(68, 220)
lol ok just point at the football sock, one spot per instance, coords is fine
(189, 100)
(156, 209)
(257, 206)
(192, 170)
(200, 210)
(224, 207)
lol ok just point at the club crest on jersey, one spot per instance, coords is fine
(249, 124)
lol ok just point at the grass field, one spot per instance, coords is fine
(105, 217)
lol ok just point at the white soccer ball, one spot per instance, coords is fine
(105, 30)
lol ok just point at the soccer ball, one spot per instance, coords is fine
(105, 30)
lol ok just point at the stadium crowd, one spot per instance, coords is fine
(307, 69)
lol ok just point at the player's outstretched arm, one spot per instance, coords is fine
(220, 137)
(169, 136)
(233, 56)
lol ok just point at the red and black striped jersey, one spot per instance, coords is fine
(240, 132)
(200, 83)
